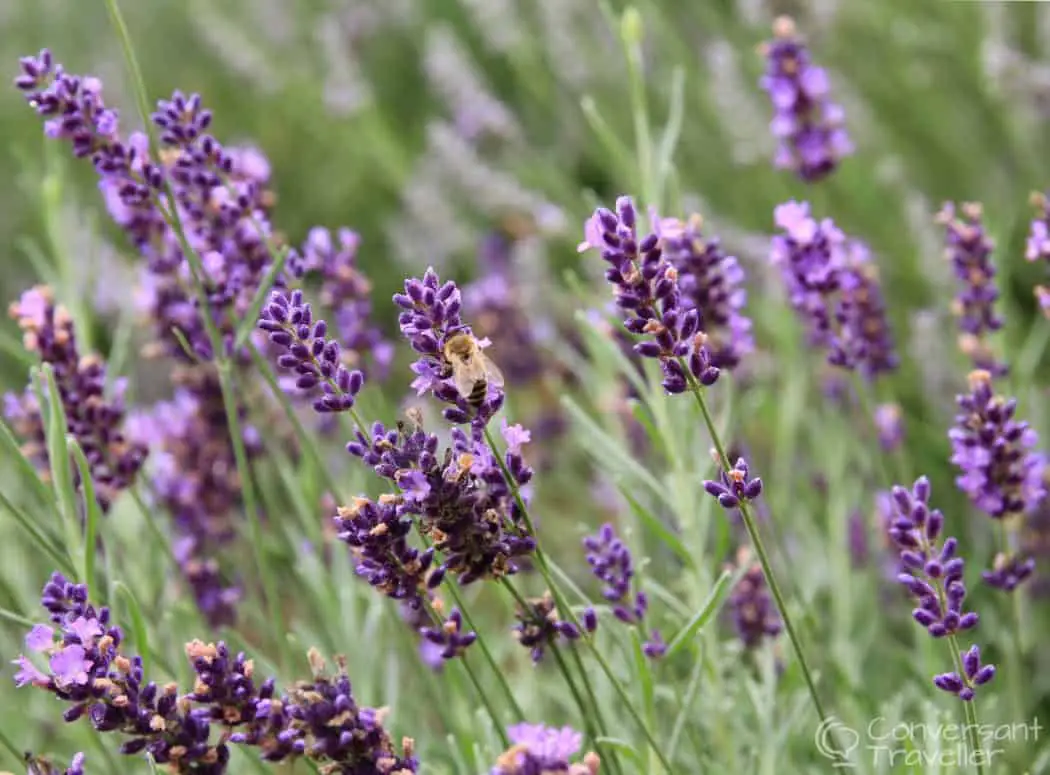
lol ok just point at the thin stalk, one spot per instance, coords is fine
(760, 551)
(563, 606)
(969, 709)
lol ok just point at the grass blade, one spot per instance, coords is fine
(138, 623)
(711, 606)
(93, 513)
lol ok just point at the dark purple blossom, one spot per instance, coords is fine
(611, 563)
(808, 126)
(309, 353)
(318, 720)
(735, 485)
(969, 249)
(833, 286)
(751, 608)
(94, 420)
(647, 292)
(460, 499)
(995, 453)
(429, 320)
(450, 637)
(539, 626)
(931, 571)
(974, 674)
(540, 750)
(377, 534)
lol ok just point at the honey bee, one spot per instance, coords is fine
(472, 370)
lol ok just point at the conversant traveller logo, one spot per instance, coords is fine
(887, 743)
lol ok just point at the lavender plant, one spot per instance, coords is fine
(251, 399)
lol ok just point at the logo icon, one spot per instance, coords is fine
(836, 741)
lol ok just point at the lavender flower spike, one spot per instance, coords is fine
(751, 607)
(735, 486)
(429, 319)
(807, 125)
(999, 468)
(934, 575)
(713, 283)
(611, 563)
(540, 750)
(647, 293)
(969, 249)
(309, 353)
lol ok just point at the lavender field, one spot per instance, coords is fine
(525, 387)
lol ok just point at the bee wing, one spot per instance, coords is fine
(467, 373)
(492, 372)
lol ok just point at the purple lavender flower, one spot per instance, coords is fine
(540, 626)
(93, 420)
(539, 749)
(809, 127)
(377, 533)
(1037, 246)
(461, 499)
(449, 638)
(194, 477)
(736, 485)
(712, 283)
(858, 539)
(611, 563)
(345, 291)
(833, 286)
(218, 195)
(751, 608)
(647, 293)
(995, 453)
(309, 353)
(931, 571)
(1009, 571)
(318, 720)
(430, 321)
(975, 674)
(889, 425)
(969, 249)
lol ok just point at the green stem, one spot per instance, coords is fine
(969, 709)
(760, 551)
(562, 604)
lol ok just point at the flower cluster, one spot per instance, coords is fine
(969, 249)
(711, 282)
(461, 500)
(735, 485)
(309, 353)
(194, 477)
(995, 453)
(833, 286)
(540, 750)
(540, 626)
(751, 608)
(933, 574)
(645, 284)
(216, 197)
(88, 669)
(1037, 247)
(429, 320)
(449, 639)
(612, 564)
(889, 426)
(808, 126)
(93, 420)
(346, 292)
(377, 534)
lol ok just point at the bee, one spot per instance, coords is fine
(472, 370)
